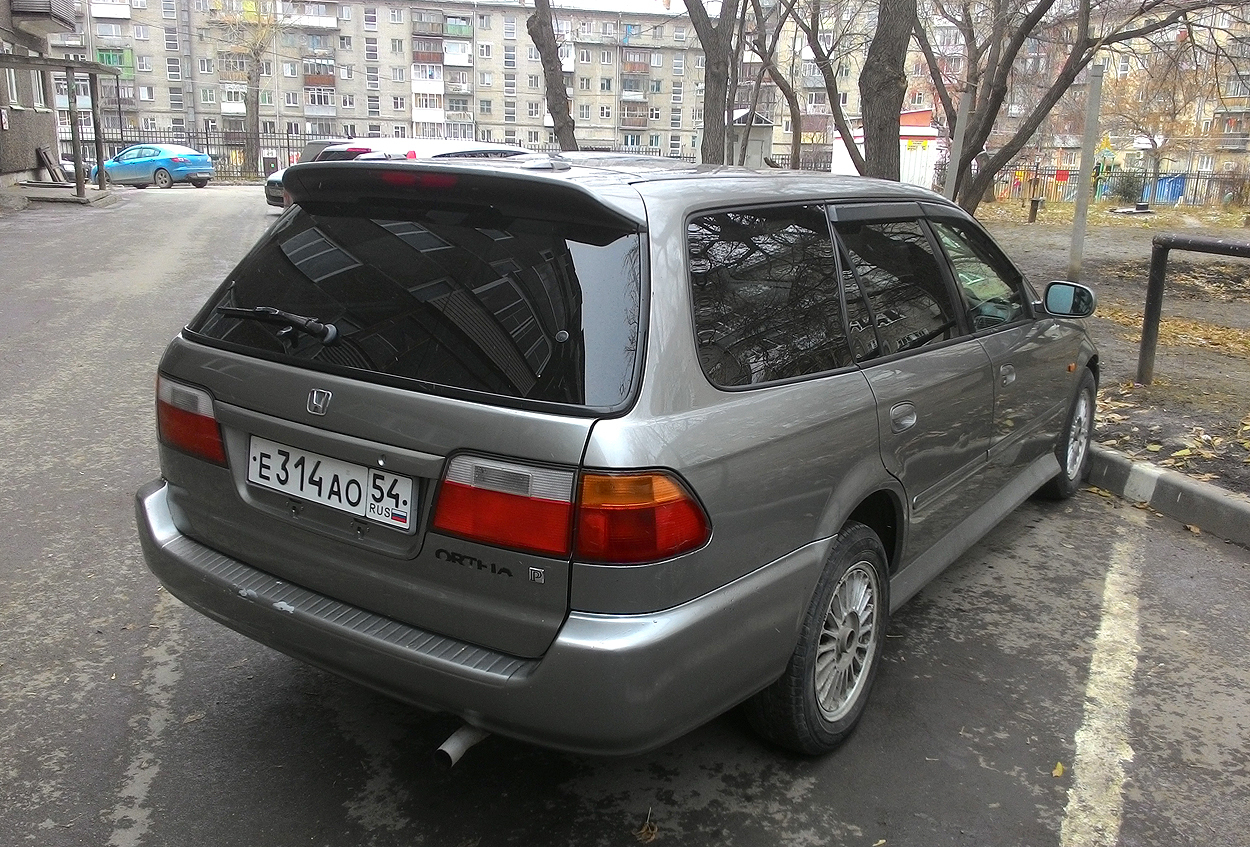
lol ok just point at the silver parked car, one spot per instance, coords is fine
(589, 450)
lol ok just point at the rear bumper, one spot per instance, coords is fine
(609, 684)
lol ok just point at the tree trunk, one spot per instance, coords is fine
(882, 86)
(543, 33)
(717, 43)
(251, 119)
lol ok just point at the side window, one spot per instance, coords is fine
(992, 290)
(766, 301)
(902, 281)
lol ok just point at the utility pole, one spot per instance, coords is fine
(1084, 186)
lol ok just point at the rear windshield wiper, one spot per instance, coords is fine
(326, 333)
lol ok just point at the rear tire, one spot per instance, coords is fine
(162, 179)
(199, 183)
(1072, 445)
(818, 701)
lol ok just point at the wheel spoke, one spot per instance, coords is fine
(846, 642)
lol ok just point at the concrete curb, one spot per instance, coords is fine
(1210, 508)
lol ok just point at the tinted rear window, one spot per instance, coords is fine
(517, 308)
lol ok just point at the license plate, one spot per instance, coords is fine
(375, 495)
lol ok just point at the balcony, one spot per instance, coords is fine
(634, 121)
(459, 30)
(635, 67)
(111, 11)
(231, 108)
(427, 27)
(67, 39)
(459, 117)
(424, 57)
(318, 111)
(312, 22)
(44, 17)
(426, 86)
(428, 116)
(458, 87)
(1232, 141)
(319, 80)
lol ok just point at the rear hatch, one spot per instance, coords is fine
(480, 323)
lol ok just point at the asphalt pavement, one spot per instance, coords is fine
(1079, 678)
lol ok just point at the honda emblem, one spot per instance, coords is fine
(319, 401)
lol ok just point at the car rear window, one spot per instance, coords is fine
(462, 299)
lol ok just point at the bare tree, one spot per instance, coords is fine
(717, 42)
(993, 37)
(250, 35)
(832, 38)
(766, 49)
(542, 32)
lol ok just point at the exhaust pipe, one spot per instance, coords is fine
(454, 747)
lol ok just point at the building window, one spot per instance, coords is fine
(679, 33)
(534, 81)
(169, 9)
(483, 49)
(371, 49)
(208, 95)
(657, 86)
(206, 66)
(633, 139)
(173, 68)
(293, 128)
(149, 124)
(677, 91)
(484, 79)
(345, 71)
(289, 69)
(531, 53)
(373, 105)
(397, 103)
(349, 130)
(265, 98)
(509, 27)
(291, 99)
(679, 64)
(318, 96)
(483, 21)
(509, 84)
(141, 32)
(509, 55)
(397, 74)
(605, 112)
(397, 16)
(372, 79)
(583, 111)
(345, 42)
(509, 111)
(171, 38)
(175, 96)
(605, 57)
(147, 93)
(583, 56)
(605, 83)
(583, 83)
(371, 19)
(348, 101)
(399, 131)
(483, 107)
(674, 118)
(532, 108)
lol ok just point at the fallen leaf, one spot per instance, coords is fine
(1154, 448)
(649, 831)
(1058, 771)
(880, 843)
(1195, 530)
(1185, 451)
(193, 718)
(1141, 505)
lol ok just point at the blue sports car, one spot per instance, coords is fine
(158, 164)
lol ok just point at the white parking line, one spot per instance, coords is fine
(1096, 798)
(130, 815)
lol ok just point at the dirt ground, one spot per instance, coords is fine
(1195, 416)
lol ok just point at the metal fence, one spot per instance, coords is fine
(225, 148)
(1191, 188)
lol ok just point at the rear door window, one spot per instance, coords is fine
(902, 280)
(766, 300)
(513, 307)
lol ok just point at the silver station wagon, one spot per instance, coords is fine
(589, 450)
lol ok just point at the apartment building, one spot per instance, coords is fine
(632, 68)
(26, 121)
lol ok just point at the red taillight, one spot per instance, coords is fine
(506, 505)
(637, 517)
(411, 154)
(185, 421)
(626, 518)
(182, 160)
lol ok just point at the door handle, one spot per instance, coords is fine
(902, 417)
(1008, 374)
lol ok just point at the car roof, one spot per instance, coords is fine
(621, 181)
(167, 148)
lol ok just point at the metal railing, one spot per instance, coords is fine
(1129, 186)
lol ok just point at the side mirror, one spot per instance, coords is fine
(1069, 300)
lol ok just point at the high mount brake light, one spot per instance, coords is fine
(185, 421)
(619, 518)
